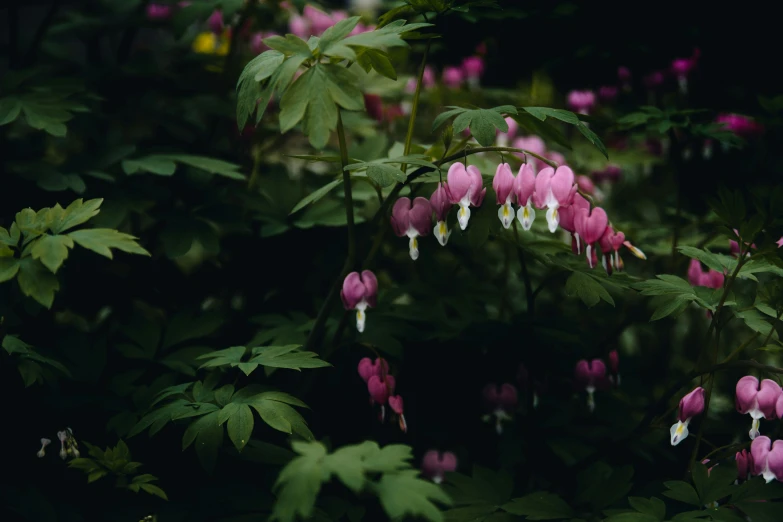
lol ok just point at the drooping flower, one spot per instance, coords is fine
(742, 126)
(466, 188)
(367, 368)
(215, 22)
(690, 406)
(744, 464)
(380, 389)
(62, 436)
(524, 189)
(767, 458)
(158, 12)
(435, 465)
(504, 138)
(611, 242)
(500, 402)
(473, 69)
(503, 183)
(682, 67)
(614, 366)
(567, 215)
(590, 226)
(697, 277)
(590, 375)
(440, 201)
(453, 77)
(359, 292)
(554, 189)
(757, 400)
(581, 101)
(412, 220)
(607, 93)
(396, 404)
(44, 443)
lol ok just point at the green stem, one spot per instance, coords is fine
(415, 107)
(32, 52)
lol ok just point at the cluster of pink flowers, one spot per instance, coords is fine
(469, 71)
(552, 189)
(592, 375)
(313, 22)
(500, 402)
(380, 386)
(742, 126)
(698, 277)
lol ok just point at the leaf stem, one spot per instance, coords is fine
(415, 107)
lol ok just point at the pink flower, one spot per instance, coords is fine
(453, 77)
(428, 80)
(473, 69)
(690, 406)
(590, 226)
(744, 464)
(319, 20)
(435, 465)
(503, 138)
(758, 401)
(567, 216)
(532, 144)
(742, 126)
(607, 92)
(367, 368)
(614, 366)
(440, 201)
(358, 293)
(624, 74)
(697, 277)
(779, 242)
(215, 22)
(503, 183)
(412, 220)
(611, 242)
(158, 12)
(396, 404)
(654, 79)
(466, 188)
(554, 189)
(500, 401)
(380, 389)
(581, 101)
(590, 375)
(555, 156)
(257, 41)
(767, 458)
(681, 68)
(299, 26)
(524, 189)
(374, 105)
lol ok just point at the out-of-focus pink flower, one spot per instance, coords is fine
(473, 70)
(411, 220)
(215, 22)
(299, 26)
(428, 79)
(465, 189)
(581, 101)
(396, 404)
(453, 77)
(500, 401)
(374, 105)
(607, 93)
(481, 49)
(440, 201)
(682, 68)
(624, 74)
(359, 292)
(585, 184)
(767, 458)
(435, 465)
(654, 79)
(744, 464)
(319, 20)
(503, 138)
(690, 406)
(158, 12)
(553, 155)
(590, 376)
(742, 126)
(757, 400)
(697, 277)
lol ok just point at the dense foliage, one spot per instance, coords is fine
(341, 274)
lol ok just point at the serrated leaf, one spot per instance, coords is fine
(654, 506)
(316, 195)
(281, 417)
(385, 175)
(36, 281)
(286, 357)
(52, 251)
(587, 289)
(682, 491)
(404, 493)
(102, 240)
(77, 213)
(9, 267)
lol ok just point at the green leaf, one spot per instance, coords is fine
(286, 357)
(682, 491)
(761, 511)
(329, 40)
(404, 493)
(718, 262)
(240, 426)
(10, 108)
(720, 483)
(482, 122)
(156, 164)
(299, 483)
(632, 517)
(230, 356)
(593, 138)
(442, 117)
(211, 165)
(386, 36)
(52, 251)
(670, 306)
(257, 70)
(542, 113)
(289, 44)
(77, 213)
(152, 489)
(379, 61)
(102, 240)
(316, 195)
(654, 506)
(9, 267)
(390, 458)
(540, 506)
(587, 289)
(36, 281)
(385, 175)
(281, 417)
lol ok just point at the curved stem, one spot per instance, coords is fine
(351, 257)
(415, 107)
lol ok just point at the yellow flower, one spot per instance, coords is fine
(209, 43)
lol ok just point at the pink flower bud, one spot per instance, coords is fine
(435, 465)
(744, 464)
(396, 404)
(215, 22)
(614, 361)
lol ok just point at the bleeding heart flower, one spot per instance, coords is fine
(466, 188)
(744, 464)
(503, 183)
(396, 404)
(767, 458)
(440, 201)
(690, 406)
(358, 293)
(590, 375)
(367, 368)
(435, 465)
(453, 77)
(590, 226)
(500, 402)
(567, 216)
(554, 189)
(757, 400)
(524, 189)
(412, 220)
